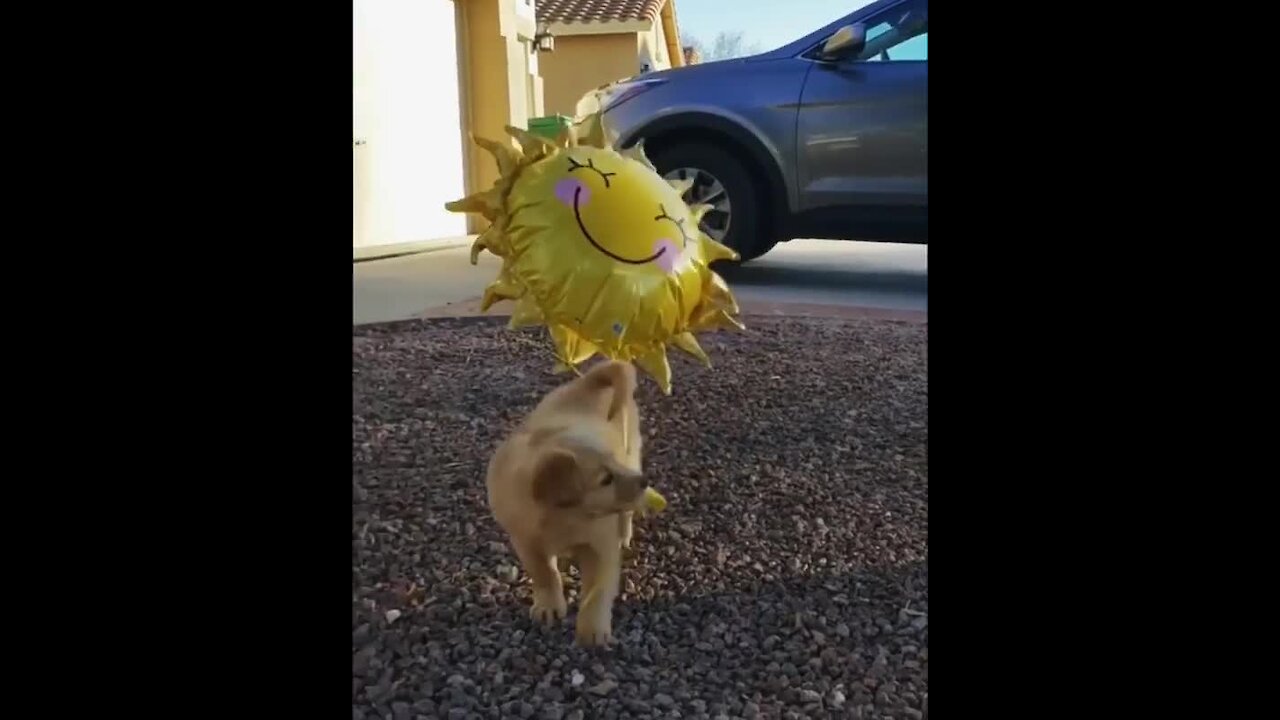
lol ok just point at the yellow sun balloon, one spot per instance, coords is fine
(601, 249)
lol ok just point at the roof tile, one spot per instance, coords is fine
(587, 11)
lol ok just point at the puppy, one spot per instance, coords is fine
(565, 484)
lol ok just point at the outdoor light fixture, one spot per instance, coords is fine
(543, 40)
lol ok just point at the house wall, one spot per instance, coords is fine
(503, 85)
(426, 75)
(653, 48)
(584, 62)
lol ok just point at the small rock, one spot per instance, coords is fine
(750, 711)
(400, 710)
(604, 687)
(920, 623)
(361, 635)
(457, 713)
(554, 711)
(508, 573)
(575, 714)
(455, 680)
(810, 696)
(393, 615)
(577, 678)
(360, 661)
(837, 699)
(842, 630)
(664, 700)
(913, 713)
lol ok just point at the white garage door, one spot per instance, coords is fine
(407, 126)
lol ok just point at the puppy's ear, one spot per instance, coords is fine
(618, 378)
(555, 479)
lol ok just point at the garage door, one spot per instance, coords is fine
(407, 139)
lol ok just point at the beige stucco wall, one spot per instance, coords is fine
(503, 87)
(583, 62)
(654, 43)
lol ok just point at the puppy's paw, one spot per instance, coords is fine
(600, 638)
(593, 634)
(548, 612)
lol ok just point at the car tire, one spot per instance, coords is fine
(748, 228)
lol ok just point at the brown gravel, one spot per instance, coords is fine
(788, 578)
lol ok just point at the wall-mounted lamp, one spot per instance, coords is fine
(543, 40)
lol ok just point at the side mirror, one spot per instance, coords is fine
(848, 40)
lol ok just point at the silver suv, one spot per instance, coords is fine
(825, 137)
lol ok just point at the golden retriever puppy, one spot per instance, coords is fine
(565, 484)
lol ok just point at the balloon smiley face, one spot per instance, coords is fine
(602, 250)
(625, 211)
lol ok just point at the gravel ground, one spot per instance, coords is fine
(788, 578)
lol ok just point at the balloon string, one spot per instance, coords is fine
(540, 348)
(626, 436)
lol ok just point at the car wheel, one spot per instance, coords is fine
(723, 182)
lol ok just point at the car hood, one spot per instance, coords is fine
(706, 68)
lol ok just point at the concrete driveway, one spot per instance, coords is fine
(812, 273)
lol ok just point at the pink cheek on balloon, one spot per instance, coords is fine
(567, 188)
(671, 255)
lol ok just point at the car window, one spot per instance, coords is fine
(898, 34)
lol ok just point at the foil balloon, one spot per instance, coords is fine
(600, 249)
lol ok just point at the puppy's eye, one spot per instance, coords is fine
(608, 480)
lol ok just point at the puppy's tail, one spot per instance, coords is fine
(619, 377)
